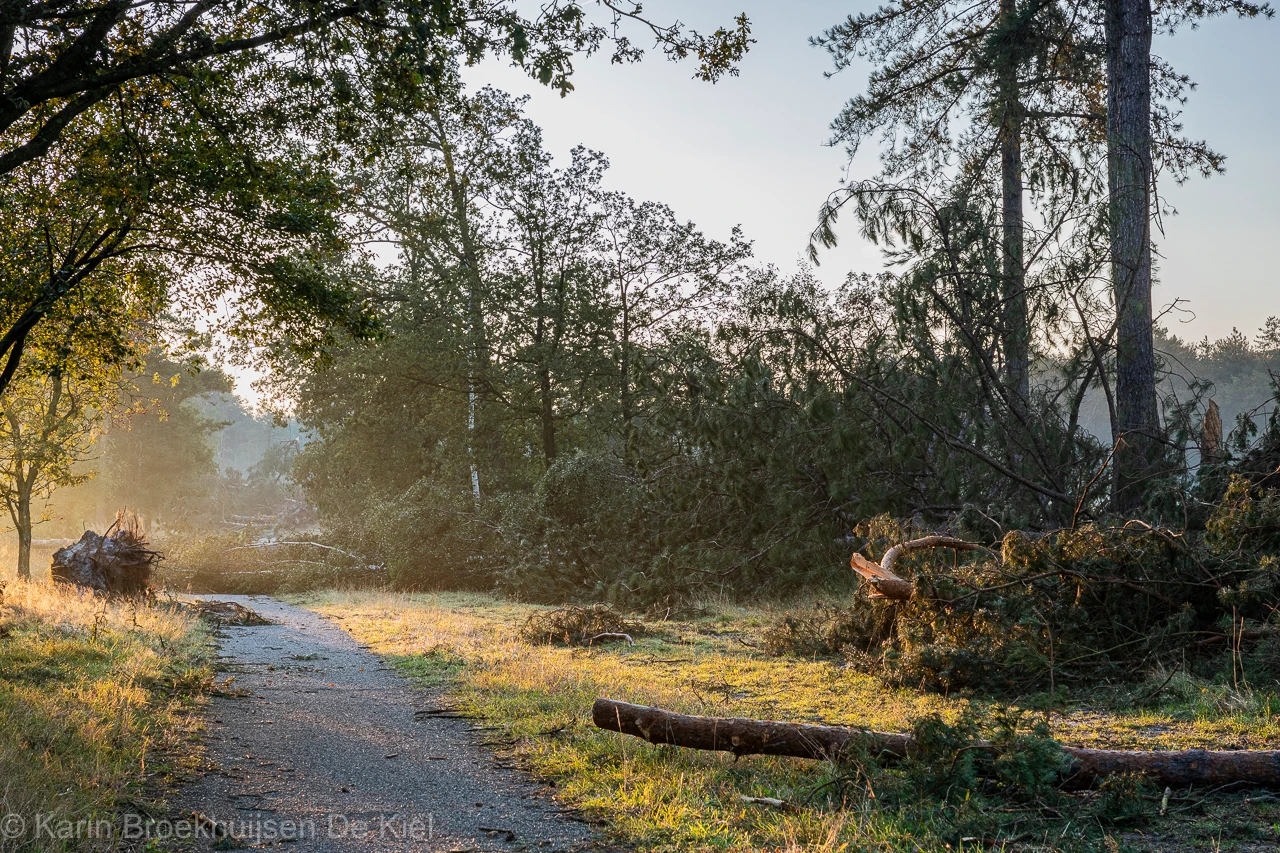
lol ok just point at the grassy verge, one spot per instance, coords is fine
(97, 703)
(538, 696)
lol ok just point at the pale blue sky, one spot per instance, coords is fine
(750, 149)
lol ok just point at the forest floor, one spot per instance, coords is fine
(537, 699)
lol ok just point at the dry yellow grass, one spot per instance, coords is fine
(664, 798)
(97, 698)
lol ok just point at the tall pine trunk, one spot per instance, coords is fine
(1016, 332)
(1128, 30)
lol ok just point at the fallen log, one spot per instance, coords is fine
(1082, 767)
(881, 577)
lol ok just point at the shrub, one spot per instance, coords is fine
(573, 625)
(576, 536)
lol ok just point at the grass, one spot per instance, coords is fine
(98, 704)
(661, 798)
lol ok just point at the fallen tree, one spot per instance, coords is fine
(881, 577)
(1081, 767)
(117, 562)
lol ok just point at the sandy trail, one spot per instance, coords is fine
(324, 752)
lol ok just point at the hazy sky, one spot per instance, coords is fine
(751, 150)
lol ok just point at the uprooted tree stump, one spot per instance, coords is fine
(881, 577)
(117, 562)
(1083, 767)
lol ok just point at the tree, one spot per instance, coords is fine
(1130, 183)
(662, 274)
(61, 63)
(54, 414)
(58, 60)
(1014, 77)
(156, 456)
(239, 211)
(1131, 160)
(1044, 87)
(558, 315)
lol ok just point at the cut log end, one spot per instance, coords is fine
(886, 584)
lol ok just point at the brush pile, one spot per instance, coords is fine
(118, 562)
(572, 625)
(1090, 605)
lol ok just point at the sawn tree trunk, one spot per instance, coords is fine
(1083, 767)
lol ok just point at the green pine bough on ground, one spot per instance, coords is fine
(538, 696)
(98, 710)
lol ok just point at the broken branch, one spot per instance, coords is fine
(882, 578)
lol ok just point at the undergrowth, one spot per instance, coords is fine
(1066, 608)
(576, 625)
(247, 562)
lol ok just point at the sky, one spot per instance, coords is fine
(751, 149)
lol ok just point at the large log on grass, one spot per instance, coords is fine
(1083, 767)
(741, 736)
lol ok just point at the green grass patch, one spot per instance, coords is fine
(98, 704)
(664, 798)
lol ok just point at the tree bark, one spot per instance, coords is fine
(1017, 332)
(22, 521)
(1081, 767)
(1128, 32)
(742, 736)
(1211, 436)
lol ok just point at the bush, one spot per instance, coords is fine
(825, 631)
(577, 535)
(572, 625)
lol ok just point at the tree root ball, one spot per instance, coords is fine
(118, 562)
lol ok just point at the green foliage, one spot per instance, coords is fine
(1062, 609)
(574, 537)
(822, 631)
(1248, 518)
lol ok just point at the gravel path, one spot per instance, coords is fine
(326, 753)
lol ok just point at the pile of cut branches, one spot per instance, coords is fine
(574, 625)
(1087, 604)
